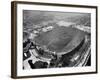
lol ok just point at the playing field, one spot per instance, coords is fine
(60, 38)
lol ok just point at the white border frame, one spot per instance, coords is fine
(21, 72)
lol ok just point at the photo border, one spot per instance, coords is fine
(14, 37)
